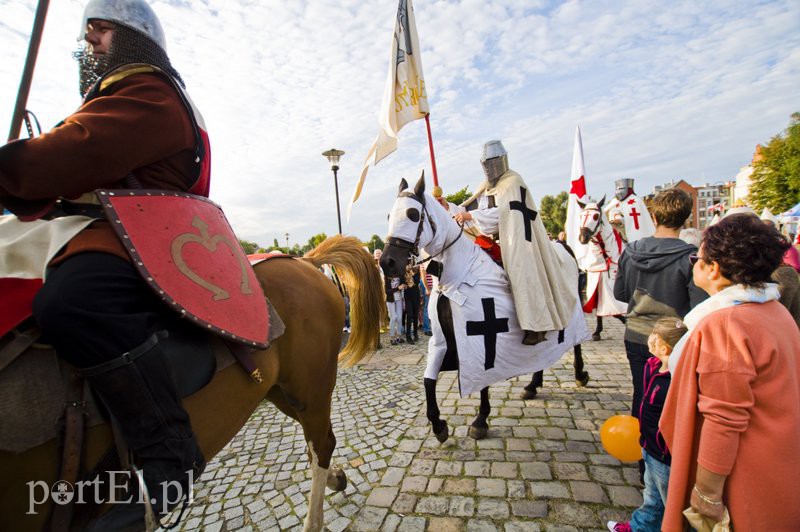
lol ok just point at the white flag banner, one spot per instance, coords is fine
(577, 191)
(404, 98)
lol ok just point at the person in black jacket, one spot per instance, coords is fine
(655, 277)
(656, 381)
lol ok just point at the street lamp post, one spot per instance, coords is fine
(333, 157)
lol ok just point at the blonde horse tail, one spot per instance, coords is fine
(357, 271)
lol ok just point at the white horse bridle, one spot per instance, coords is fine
(413, 247)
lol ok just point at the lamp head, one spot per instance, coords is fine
(333, 157)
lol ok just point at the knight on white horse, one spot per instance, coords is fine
(604, 247)
(474, 323)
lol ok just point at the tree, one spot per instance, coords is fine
(458, 197)
(374, 243)
(776, 175)
(314, 241)
(250, 247)
(553, 211)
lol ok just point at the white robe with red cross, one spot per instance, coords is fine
(638, 223)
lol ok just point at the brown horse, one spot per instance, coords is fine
(298, 369)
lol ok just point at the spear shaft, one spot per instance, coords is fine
(27, 72)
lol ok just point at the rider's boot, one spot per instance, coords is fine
(140, 393)
(534, 337)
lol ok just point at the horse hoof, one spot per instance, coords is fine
(596, 338)
(441, 432)
(583, 381)
(528, 394)
(337, 479)
(478, 433)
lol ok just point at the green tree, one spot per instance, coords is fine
(458, 197)
(314, 241)
(776, 176)
(250, 247)
(553, 210)
(374, 243)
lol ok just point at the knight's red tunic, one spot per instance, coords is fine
(140, 125)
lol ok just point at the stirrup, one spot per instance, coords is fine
(151, 521)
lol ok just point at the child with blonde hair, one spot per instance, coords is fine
(666, 333)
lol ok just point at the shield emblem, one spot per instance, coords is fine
(185, 249)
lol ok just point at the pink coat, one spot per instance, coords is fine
(734, 408)
(792, 258)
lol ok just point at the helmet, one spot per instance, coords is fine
(494, 161)
(136, 14)
(623, 188)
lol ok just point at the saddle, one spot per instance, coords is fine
(35, 383)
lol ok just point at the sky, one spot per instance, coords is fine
(661, 91)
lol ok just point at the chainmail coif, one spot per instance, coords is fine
(127, 46)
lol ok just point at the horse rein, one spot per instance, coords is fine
(414, 247)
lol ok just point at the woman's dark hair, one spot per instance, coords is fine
(746, 249)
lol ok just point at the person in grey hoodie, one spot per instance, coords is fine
(655, 278)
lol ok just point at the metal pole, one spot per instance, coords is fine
(338, 212)
(27, 72)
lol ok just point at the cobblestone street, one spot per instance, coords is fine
(542, 467)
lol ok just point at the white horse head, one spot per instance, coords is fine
(416, 221)
(592, 219)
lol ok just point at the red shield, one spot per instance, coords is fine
(185, 249)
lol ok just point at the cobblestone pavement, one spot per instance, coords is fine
(542, 467)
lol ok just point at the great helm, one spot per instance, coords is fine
(494, 160)
(623, 188)
(136, 14)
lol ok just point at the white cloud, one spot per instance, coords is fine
(661, 91)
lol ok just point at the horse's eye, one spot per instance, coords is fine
(595, 216)
(412, 214)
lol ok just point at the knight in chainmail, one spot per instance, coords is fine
(136, 124)
(128, 46)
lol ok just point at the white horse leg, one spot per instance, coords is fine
(319, 478)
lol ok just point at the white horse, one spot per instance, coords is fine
(600, 263)
(474, 324)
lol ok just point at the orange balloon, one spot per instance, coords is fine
(620, 438)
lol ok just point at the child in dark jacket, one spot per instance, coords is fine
(648, 516)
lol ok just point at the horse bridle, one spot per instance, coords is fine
(413, 248)
(598, 239)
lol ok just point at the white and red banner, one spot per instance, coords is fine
(577, 191)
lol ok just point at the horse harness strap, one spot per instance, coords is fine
(74, 414)
(22, 340)
(244, 356)
(600, 242)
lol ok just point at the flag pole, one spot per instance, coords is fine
(430, 145)
(27, 72)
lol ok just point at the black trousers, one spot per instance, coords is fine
(95, 307)
(637, 358)
(412, 311)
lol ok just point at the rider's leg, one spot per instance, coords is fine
(99, 315)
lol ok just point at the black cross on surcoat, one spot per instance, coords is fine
(528, 215)
(489, 328)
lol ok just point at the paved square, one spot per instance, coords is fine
(542, 466)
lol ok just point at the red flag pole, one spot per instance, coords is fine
(430, 145)
(27, 72)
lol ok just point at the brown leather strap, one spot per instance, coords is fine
(21, 341)
(243, 356)
(74, 413)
